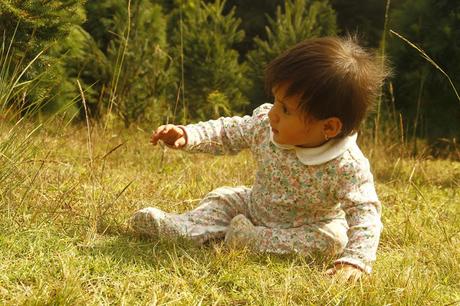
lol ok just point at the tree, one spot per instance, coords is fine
(139, 53)
(42, 25)
(253, 15)
(421, 92)
(298, 20)
(131, 73)
(364, 17)
(205, 59)
(81, 60)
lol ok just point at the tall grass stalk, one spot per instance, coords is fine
(184, 104)
(430, 60)
(417, 113)
(119, 65)
(181, 88)
(12, 88)
(88, 126)
(382, 56)
(16, 134)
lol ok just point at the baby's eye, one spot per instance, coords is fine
(283, 107)
(285, 110)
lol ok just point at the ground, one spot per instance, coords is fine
(64, 241)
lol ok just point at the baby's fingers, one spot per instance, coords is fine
(157, 134)
(179, 143)
(330, 271)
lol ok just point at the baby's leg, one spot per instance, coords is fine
(328, 238)
(208, 221)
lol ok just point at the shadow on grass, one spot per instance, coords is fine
(131, 249)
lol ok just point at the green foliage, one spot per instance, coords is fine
(100, 21)
(16, 143)
(192, 59)
(140, 62)
(81, 60)
(298, 20)
(12, 87)
(362, 17)
(128, 70)
(217, 104)
(41, 22)
(97, 69)
(253, 15)
(205, 39)
(120, 64)
(42, 26)
(421, 92)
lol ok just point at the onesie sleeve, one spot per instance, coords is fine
(226, 135)
(358, 198)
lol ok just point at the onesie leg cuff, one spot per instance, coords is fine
(154, 222)
(241, 233)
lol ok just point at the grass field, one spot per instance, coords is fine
(64, 241)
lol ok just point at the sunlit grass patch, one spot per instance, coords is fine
(64, 238)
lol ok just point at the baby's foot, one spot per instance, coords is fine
(241, 232)
(156, 223)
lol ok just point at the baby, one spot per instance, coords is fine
(313, 191)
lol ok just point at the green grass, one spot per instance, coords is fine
(64, 241)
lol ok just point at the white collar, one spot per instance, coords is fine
(322, 154)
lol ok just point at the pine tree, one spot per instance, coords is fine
(364, 17)
(253, 16)
(214, 79)
(422, 93)
(82, 60)
(41, 25)
(298, 20)
(134, 71)
(143, 75)
(101, 24)
(40, 22)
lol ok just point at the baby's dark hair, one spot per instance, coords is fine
(334, 76)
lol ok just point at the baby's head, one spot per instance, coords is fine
(323, 88)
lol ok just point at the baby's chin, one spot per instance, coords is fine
(295, 144)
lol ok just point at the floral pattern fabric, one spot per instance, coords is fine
(331, 208)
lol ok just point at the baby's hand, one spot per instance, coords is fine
(343, 273)
(172, 135)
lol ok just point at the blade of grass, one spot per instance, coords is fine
(429, 59)
(89, 143)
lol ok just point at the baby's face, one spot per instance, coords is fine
(289, 125)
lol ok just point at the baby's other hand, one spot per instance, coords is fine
(172, 135)
(343, 273)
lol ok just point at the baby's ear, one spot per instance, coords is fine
(332, 127)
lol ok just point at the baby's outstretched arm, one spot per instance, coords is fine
(225, 135)
(172, 135)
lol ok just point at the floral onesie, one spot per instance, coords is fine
(304, 200)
